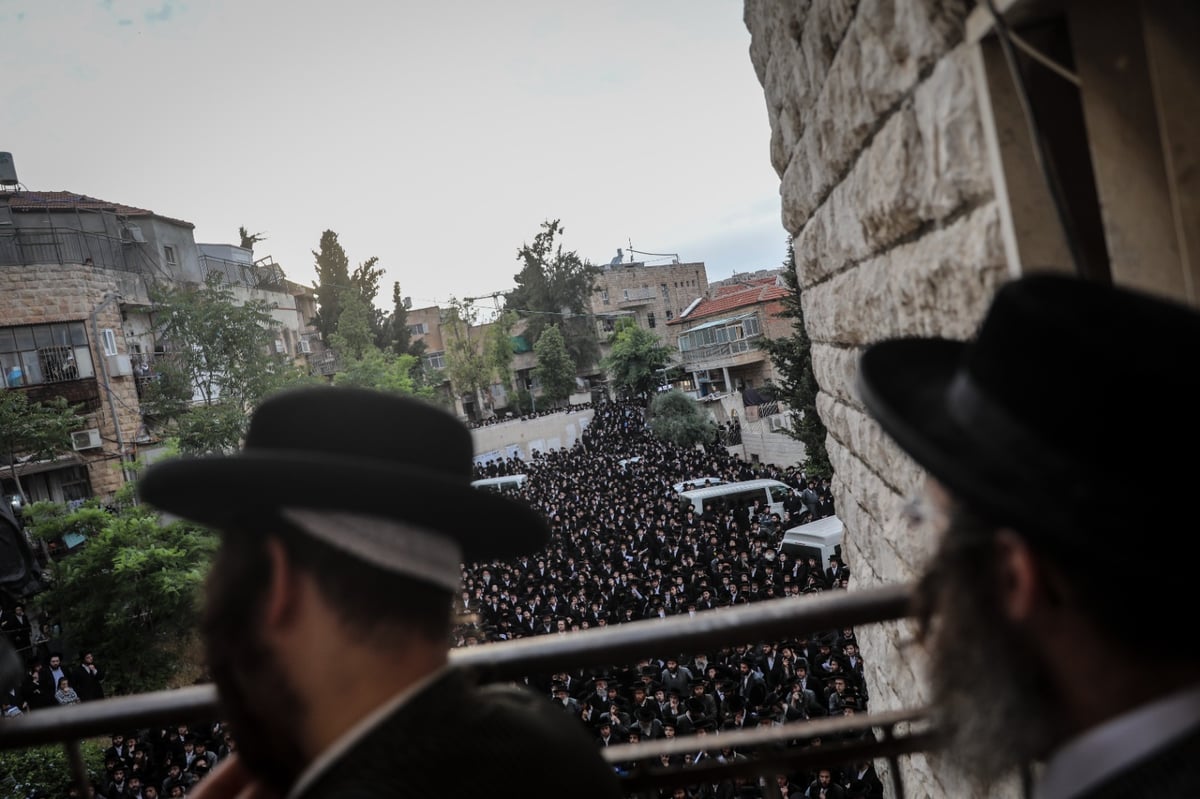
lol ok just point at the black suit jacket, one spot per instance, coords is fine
(1170, 772)
(458, 738)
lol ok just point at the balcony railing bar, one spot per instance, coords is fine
(512, 660)
(774, 618)
(772, 752)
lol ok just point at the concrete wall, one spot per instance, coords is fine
(877, 136)
(553, 431)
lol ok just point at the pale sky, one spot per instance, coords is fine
(437, 136)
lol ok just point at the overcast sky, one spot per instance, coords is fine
(437, 136)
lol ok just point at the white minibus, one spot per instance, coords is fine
(502, 484)
(770, 493)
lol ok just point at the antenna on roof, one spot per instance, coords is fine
(674, 256)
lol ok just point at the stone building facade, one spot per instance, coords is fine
(650, 294)
(913, 187)
(76, 277)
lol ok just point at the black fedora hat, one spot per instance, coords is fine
(350, 450)
(1066, 382)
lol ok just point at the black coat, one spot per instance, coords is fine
(1173, 771)
(459, 739)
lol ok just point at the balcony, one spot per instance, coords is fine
(632, 297)
(22, 247)
(729, 354)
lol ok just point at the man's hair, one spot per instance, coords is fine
(371, 601)
(1125, 618)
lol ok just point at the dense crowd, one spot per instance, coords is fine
(623, 548)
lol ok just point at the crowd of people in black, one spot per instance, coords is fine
(623, 549)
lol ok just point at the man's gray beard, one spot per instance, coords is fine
(991, 689)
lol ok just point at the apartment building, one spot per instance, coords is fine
(76, 275)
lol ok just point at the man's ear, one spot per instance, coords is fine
(1018, 574)
(281, 591)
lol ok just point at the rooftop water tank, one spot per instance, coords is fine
(8, 170)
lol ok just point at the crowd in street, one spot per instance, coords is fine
(623, 549)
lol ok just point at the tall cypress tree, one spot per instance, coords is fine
(333, 277)
(792, 357)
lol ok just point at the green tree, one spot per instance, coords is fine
(40, 430)
(636, 360)
(555, 369)
(364, 281)
(131, 591)
(354, 334)
(792, 357)
(45, 770)
(555, 288)
(220, 362)
(677, 418)
(384, 371)
(400, 338)
(498, 348)
(333, 279)
(466, 368)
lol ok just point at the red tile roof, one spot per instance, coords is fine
(32, 201)
(739, 296)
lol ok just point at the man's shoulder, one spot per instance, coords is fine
(475, 737)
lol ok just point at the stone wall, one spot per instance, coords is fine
(552, 431)
(877, 136)
(45, 293)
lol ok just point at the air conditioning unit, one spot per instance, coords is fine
(119, 366)
(777, 422)
(304, 346)
(86, 439)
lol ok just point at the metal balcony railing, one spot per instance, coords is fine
(700, 357)
(893, 734)
(25, 247)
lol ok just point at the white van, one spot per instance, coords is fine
(502, 484)
(770, 493)
(819, 539)
(697, 482)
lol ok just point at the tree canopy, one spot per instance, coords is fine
(220, 361)
(466, 367)
(554, 287)
(39, 430)
(131, 590)
(384, 371)
(636, 360)
(677, 418)
(333, 278)
(555, 368)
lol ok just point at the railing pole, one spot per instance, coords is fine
(79, 773)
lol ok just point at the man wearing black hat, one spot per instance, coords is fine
(338, 557)
(1032, 650)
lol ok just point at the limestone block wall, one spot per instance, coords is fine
(877, 136)
(43, 293)
(552, 431)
